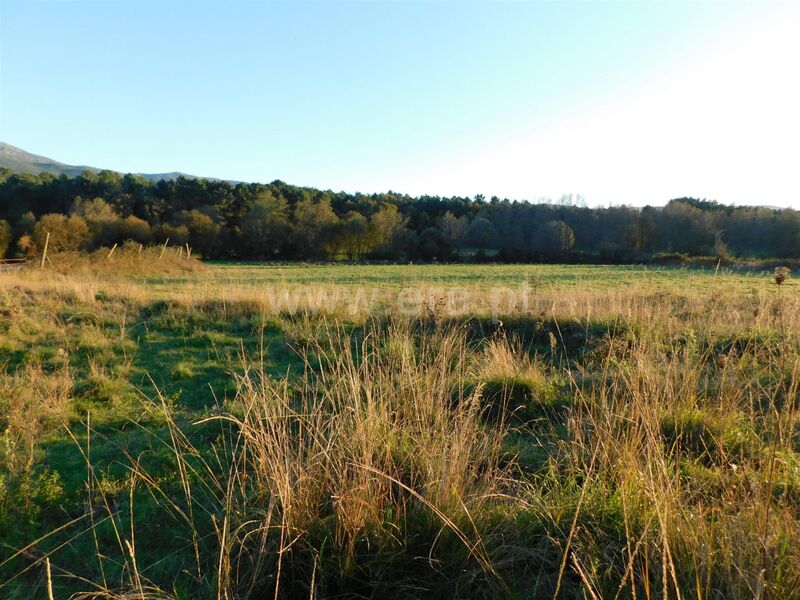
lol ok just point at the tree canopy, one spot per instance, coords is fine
(219, 219)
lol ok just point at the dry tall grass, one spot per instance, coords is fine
(729, 307)
(377, 460)
(693, 448)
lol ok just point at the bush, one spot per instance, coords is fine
(66, 233)
(130, 228)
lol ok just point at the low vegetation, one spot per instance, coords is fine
(178, 430)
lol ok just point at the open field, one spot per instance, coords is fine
(481, 277)
(179, 430)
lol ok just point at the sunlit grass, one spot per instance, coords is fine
(175, 434)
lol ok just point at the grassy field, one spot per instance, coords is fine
(562, 277)
(176, 430)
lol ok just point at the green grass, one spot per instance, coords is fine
(481, 276)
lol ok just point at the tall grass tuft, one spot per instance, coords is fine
(373, 475)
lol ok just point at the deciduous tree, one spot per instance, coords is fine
(66, 233)
(314, 228)
(266, 226)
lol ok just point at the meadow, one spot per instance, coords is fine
(177, 429)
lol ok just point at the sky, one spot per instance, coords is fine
(623, 102)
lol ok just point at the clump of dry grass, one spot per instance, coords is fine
(32, 402)
(696, 470)
(353, 472)
(514, 385)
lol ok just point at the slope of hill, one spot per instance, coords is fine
(20, 161)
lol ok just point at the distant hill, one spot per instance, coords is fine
(20, 161)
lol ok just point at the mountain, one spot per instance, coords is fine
(20, 161)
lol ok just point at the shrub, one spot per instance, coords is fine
(66, 233)
(27, 246)
(177, 235)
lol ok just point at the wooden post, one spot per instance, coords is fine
(140, 248)
(188, 251)
(46, 244)
(114, 247)
(50, 595)
(164, 249)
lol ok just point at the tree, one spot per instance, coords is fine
(387, 227)
(177, 235)
(314, 227)
(266, 225)
(431, 245)
(721, 250)
(355, 235)
(454, 229)
(555, 237)
(131, 229)
(5, 237)
(482, 233)
(213, 216)
(101, 218)
(66, 233)
(203, 232)
(687, 227)
(96, 210)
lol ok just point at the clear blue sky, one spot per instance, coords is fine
(620, 101)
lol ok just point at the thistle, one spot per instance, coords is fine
(780, 274)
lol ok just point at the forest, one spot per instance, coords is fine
(278, 221)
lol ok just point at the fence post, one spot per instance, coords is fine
(114, 247)
(164, 249)
(46, 244)
(50, 595)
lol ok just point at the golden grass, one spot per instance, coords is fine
(725, 306)
(33, 401)
(372, 443)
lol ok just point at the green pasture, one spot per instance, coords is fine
(567, 277)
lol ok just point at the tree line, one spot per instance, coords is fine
(278, 221)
